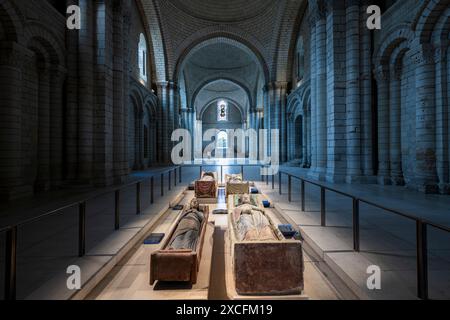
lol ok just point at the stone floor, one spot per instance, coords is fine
(387, 241)
(47, 247)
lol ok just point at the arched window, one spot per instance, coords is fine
(142, 55)
(222, 111)
(222, 140)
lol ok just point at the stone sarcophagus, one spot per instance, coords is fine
(272, 266)
(180, 265)
(207, 186)
(235, 184)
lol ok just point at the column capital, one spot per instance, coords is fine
(317, 10)
(381, 73)
(170, 85)
(425, 54)
(275, 85)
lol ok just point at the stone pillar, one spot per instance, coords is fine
(305, 140)
(320, 91)
(192, 129)
(366, 97)
(71, 114)
(126, 5)
(163, 122)
(313, 113)
(277, 118)
(168, 99)
(43, 162)
(11, 183)
(291, 137)
(309, 140)
(382, 77)
(119, 103)
(58, 75)
(267, 114)
(335, 109)
(426, 171)
(442, 119)
(353, 93)
(104, 87)
(140, 140)
(395, 128)
(86, 92)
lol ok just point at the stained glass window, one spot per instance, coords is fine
(222, 111)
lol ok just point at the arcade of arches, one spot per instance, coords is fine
(351, 105)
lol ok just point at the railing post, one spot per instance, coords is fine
(175, 176)
(303, 195)
(201, 170)
(280, 191)
(180, 175)
(11, 264)
(170, 180)
(117, 210)
(82, 229)
(290, 187)
(162, 184)
(138, 198)
(422, 260)
(152, 190)
(323, 212)
(356, 238)
(273, 181)
(242, 172)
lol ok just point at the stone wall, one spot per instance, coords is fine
(401, 137)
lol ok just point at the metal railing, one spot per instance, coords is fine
(11, 231)
(421, 224)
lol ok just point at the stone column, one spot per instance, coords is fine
(426, 170)
(168, 98)
(366, 96)
(86, 92)
(313, 113)
(320, 91)
(126, 5)
(353, 93)
(305, 140)
(277, 117)
(309, 141)
(58, 75)
(291, 137)
(395, 128)
(382, 77)
(119, 155)
(11, 58)
(43, 162)
(163, 122)
(71, 114)
(140, 141)
(266, 119)
(442, 119)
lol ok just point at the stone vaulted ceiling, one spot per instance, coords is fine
(265, 26)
